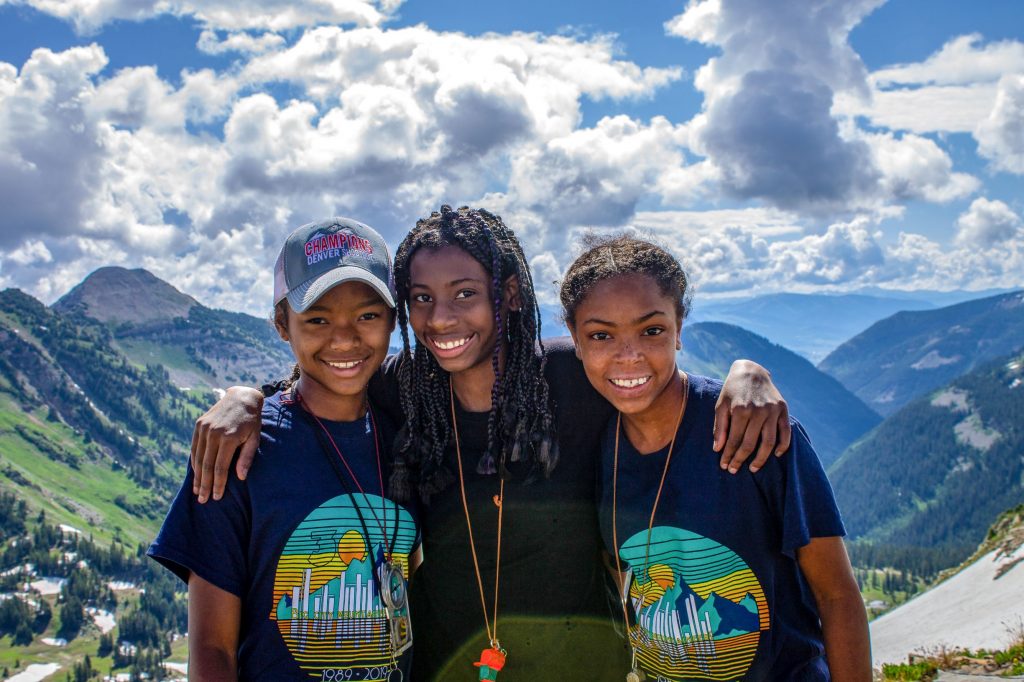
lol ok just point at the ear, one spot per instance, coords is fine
(679, 335)
(575, 345)
(510, 293)
(281, 324)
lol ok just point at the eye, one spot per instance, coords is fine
(653, 331)
(421, 298)
(369, 316)
(316, 320)
(600, 336)
(465, 293)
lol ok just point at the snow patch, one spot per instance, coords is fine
(118, 585)
(934, 359)
(47, 585)
(104, 619)
(54, 641)
(973, 433)
(70, 530)
(970, 610)
(953, 398)
(886, 397)
(35, 672)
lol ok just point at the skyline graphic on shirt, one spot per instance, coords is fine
(327, 601)
(699, 608)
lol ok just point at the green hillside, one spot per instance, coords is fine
(833, 416)
(926, 483)
(912, 353)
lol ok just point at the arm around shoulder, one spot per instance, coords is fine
(844, 622)
(214, 621)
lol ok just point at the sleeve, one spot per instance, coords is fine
(804, 496)
(209, 539)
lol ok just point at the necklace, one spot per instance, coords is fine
(636, 674)
(491, 660)
(388, 577)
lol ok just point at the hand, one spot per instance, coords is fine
(233, 423)
(750, 408)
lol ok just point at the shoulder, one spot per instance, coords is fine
(560, 354)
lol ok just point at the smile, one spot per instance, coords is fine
(630, 383)
(451, 345)
(349, 364)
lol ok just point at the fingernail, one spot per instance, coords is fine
(202, 499)
(217, 496)
(723, 465)
(754, 469)
(733, 470)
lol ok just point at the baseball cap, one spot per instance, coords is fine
(320, 255)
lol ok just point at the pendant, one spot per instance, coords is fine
(491, 661)
(396, 608)
(635, 675)
(395, 675)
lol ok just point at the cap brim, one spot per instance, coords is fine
(306, 294)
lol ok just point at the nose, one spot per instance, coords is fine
(344, 337)
(441, 317)
(626, 352)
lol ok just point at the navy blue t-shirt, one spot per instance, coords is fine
(302, 548)
(722, 596)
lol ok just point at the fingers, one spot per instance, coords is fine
(199, 435)
(245, 457)
(736, 439)
(721, 426)
(221, 466)
(785, 431)
(769, 431)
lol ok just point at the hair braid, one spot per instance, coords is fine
(520, 424)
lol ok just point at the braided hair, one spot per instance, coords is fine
(608, 257)
(520, 425)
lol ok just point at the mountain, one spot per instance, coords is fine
(833, 416)
(911, 353)
(932, 477)
(811, 324)
(978, 607)
(152, 322)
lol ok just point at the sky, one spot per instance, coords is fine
(785, 146)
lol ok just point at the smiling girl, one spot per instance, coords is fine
(721, 577)
(512, 561)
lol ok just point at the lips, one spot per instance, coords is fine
(345, 367)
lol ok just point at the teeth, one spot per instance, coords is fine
(631, 383)
(344, 365)
(449, 345)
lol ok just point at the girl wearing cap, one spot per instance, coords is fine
(480, 397)
(301, 570)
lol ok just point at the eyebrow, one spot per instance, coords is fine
(642, 318)
(366, 303)
(454, 282)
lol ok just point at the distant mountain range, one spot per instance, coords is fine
(833, 416)
(911, 353)
(935, 474)
(152, 322)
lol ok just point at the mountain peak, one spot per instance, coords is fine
(115, 294)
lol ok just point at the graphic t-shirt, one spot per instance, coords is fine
(715, 589)
(555, 616)
(304, 550)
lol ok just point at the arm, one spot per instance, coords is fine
(750, 408)
(214, 618)
(233, 423)
(844, 621)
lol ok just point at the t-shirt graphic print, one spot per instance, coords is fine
(700, 610)
(327, 587)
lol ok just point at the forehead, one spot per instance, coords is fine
(439, 266)
(624, 298)
(351, 294)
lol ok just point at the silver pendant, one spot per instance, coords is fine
(635, 675)
(396, 607)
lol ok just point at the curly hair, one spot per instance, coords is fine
(520, 425)
(608, 257)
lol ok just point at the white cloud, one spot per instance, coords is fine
(211, 43)
(925, 109)
(914, 167)
(964, 60)
(987, 224)
(1001, 135)
(31, 252)
(273, 15)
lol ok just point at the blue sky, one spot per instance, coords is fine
(802, 145)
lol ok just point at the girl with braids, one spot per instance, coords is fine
(721, 577)
(501, 443)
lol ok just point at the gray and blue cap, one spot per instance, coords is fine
(321, 255)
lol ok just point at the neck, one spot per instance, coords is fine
(652, 429)
(473, 386)
(325, 405)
